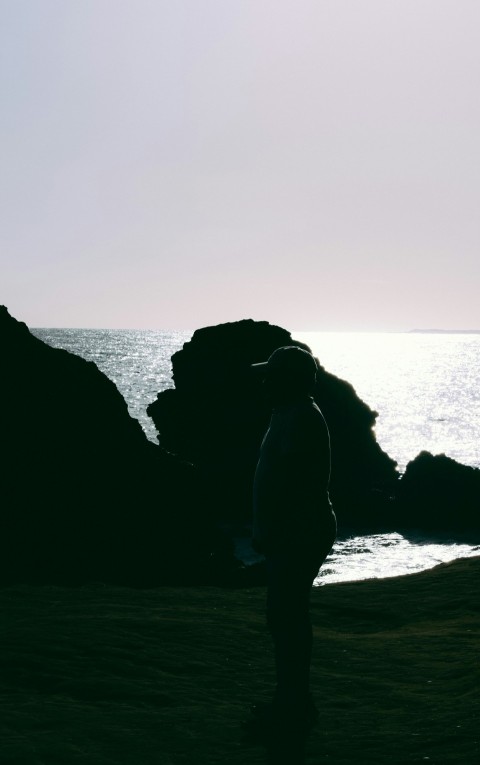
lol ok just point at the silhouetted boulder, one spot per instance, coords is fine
(84, 495)
(438, 494)
(217, 415)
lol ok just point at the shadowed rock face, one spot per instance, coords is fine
(217, 415)
(84, 494)
(437, 493)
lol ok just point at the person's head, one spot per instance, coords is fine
(289, 374)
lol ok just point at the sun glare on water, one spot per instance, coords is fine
(423, 386)
(384, 555)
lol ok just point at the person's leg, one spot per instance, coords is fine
(290, 580)
(285, 722)
(289, 622)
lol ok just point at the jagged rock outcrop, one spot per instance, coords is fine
(217, 415)
(438, 494)
(83, 494)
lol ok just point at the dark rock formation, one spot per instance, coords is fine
(438, 494)
(217, 415)
(83, 494)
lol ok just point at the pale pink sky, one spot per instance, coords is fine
(173, 164)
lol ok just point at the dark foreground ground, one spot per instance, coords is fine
(105, 675)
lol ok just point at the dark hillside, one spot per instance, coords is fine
(113, 676)
(83, 494)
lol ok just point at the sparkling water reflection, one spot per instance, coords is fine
(137, 361)
(423, 386)
(379, 556)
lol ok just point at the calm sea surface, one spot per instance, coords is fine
(425, 388)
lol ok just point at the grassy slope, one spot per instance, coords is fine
(105, 675)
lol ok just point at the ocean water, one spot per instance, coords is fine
(423, 386)
(138, 361)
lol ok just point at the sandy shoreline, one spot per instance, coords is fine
(109, 675)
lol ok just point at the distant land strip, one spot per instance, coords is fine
(445, 331)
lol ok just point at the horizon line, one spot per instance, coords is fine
(448, 331)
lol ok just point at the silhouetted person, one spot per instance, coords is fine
(294, 526)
